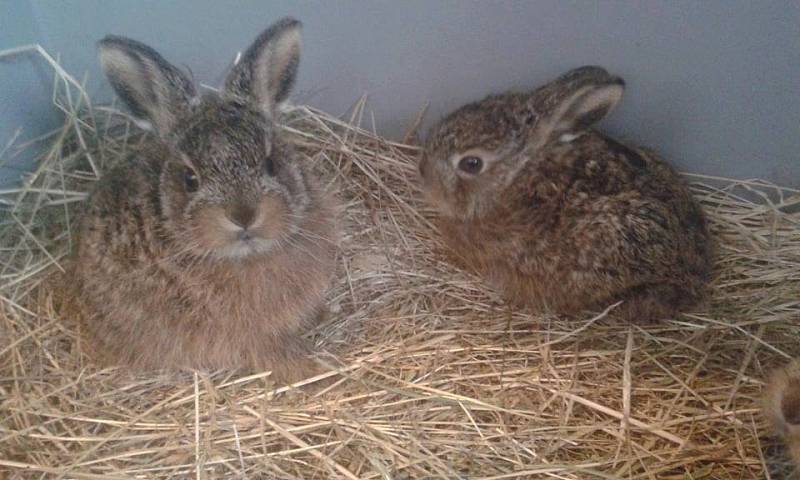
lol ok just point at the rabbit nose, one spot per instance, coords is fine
(242, 214)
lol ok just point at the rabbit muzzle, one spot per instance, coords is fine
(244, 227)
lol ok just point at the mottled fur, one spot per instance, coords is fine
(225, 269)
(782, 408)
(561, 216)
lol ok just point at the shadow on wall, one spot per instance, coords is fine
(26, 111)
(26, 85)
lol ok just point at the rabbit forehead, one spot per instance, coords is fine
(221, 135)
(488, 124)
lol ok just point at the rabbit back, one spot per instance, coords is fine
(555, 213)
(591, 222)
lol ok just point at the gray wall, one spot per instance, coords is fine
(712, 84)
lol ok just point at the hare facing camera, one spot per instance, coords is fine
(558, 216)
(211, 246)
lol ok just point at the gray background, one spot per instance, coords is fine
(712, 84)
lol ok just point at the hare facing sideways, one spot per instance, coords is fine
(211, 246)
(556, 215)
(782, 408)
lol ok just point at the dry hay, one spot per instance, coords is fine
(438, 378)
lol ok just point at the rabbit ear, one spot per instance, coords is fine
(155, 91)
(581, 98)
(267, 70)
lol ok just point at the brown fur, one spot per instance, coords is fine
(161, 271)
(782, 407)
(567, 224)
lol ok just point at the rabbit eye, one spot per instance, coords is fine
(191, 180)
(269, 166)
(470, 164)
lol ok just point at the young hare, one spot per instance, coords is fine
(783, 407)
(556, 215)
(211, 246)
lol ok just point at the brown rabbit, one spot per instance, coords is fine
(212, 246)
(782, 407)
(556, 215)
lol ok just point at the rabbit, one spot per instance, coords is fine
(559, 217)
(211, 246)
(782, 407)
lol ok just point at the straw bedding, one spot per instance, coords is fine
(435, 376)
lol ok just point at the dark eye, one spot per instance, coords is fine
(470, 164)
(269, 166)
(191, 180)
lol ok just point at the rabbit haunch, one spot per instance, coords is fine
(782, 407)
(211, 246)
(558, 215)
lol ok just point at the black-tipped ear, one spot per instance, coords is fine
(580, 98)
(586, 107)
(267, 70)
(155, 91)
